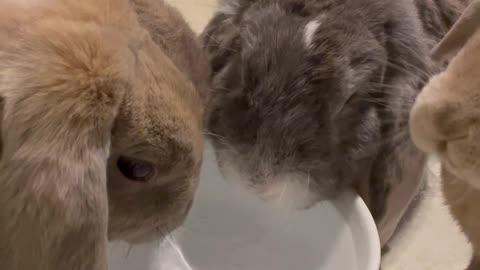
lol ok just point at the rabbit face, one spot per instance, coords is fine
(101, 134)
(156, 151)
(156, 140)
(288, 111)
(445, 119)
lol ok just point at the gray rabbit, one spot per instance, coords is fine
(311, 97)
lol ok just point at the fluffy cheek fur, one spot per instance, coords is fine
(443, 122)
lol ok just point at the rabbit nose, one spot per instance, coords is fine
(434, 124)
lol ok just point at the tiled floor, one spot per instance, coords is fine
(431, 240)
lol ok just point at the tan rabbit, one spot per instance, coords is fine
(445, 121)
(101, 128)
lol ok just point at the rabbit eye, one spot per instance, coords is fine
(134, 169)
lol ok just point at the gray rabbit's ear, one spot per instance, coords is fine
(229, 7)
(460, 33)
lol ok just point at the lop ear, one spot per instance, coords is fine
(62, 82)
(460, 33)
(230, 7)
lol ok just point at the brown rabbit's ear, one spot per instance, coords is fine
(460, 33)
(62, 83)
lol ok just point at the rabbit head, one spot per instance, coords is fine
(291, 112)
(445, 119)
(158, 132)
(101, 133)
(156, 151)
(277, 96)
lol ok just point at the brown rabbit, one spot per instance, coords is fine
(101, 128)
(445, 121)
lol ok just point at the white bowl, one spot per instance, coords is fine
(231, 229)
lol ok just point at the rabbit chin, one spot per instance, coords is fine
(285, 190)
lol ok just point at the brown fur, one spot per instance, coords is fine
(170, 31)
(84, 82)
(445, 122)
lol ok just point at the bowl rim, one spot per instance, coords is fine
(363, 228)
